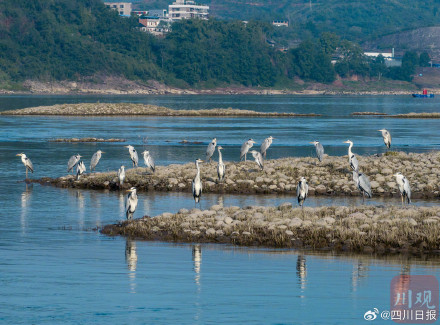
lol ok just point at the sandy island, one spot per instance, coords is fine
(366, 229)
(331, 177)
(124, 109)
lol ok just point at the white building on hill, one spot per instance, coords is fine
(187, 9)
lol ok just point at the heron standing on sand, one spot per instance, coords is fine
(133, 155)
(265, 145)
(121, 175)
(245, 148)
(131, 203)
(149, 161)
(404, 188)
(354, 164)
(211, 149)
(27, 163)
(197, 183)
(386, 137)
(221, 166)
(302, 190)
(319, 149)
(258, 158)
(95, 159)
(73, 161)
(80, 169)
(363, 184)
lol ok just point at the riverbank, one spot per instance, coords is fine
(112, 85)
(124, 109)
(364, 229)
(332, 177)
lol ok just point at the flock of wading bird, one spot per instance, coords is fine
(361, 180)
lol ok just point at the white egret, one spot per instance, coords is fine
(121, 175)
(386, 137)
(302, 191)
(404, 188)
(27, 163)
(80, 169)
(221, 166)
(197, 183)
(258, 158)
(245, 148)
(95, 159)
(211, 149)
(133, 155)
(354, 164)
(265, 145)
(363, 184)
(73, 161)
(148, 160)
(131, 203)
(319, 149)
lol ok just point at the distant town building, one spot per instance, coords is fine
(186, 9)
(161, 13)
(123, 8)
(390, 59)
(155, 25)
(140, 12)
(280, 23)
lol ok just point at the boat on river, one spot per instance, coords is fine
(423, 95)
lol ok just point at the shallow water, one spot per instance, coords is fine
(55, 268)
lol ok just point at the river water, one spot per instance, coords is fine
(56, 268)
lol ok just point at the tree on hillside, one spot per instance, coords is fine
(424, 60)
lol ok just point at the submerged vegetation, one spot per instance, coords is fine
(356, 229)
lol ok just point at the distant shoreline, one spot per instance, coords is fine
(120, 86)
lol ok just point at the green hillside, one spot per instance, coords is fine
(66, 39)
(354, 20)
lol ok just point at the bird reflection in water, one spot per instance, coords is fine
(25, 200)
(80, 199)
(122, 203)
(359, 273)
(131, 260)
(197, 259)
(301, 272)
(220, 200)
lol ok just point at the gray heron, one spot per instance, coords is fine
(197, 183)
(133, 155)
(26, 162)
(131, 203)
(73, 161)
(80, 169)
(265, 145)
(245, 148)
(319, 149)
(95, 159)
(404, 188)
(148, 160)
(363, 184)
(354, 164)
(258, 158)
(386, 137)
(121, 175)
(302, 190)
(211, 149)
(221, 166)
